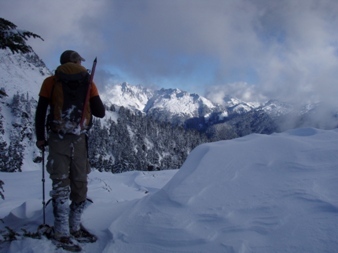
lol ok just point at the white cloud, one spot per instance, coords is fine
(240, 90)
(287, 49)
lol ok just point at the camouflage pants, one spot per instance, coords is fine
(68, 166)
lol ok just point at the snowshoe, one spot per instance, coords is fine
(45, 230)
(83, 235)
(67, 243)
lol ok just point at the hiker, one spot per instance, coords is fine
(68, 122)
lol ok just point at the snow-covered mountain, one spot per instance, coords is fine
(176, 101)
(128, 96)
(171, 105)
(277, 108)
(178, 106)
(21, 76)
(235, 105)
(21, 73)
(197, 112)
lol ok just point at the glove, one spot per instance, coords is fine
(41, 144)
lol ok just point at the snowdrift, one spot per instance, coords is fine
(259, 193)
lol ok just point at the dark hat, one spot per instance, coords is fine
(70, 56)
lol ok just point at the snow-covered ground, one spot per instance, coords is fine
(260, 193)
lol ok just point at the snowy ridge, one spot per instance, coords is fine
(277, 108)
(178, 102)
(239, 106)
(259, 193)
(169, 101)
(20, 74)
(128, 96)
(23, 73)
(182, 108)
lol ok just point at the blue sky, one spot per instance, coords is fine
(256, 49)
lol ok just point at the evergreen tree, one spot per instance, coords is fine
(3, 144)
(134, 141)
(15, 156)
(13, 38)
(2, 189)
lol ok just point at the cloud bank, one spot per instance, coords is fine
(280, 49)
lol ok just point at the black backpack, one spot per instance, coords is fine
(68, 106)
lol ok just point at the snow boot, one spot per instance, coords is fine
(76, 229)
(61, 216)
(66, 243)
(76, 210)
(83, 235)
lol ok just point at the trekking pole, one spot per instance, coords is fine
(43, 186)
(88, 92)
